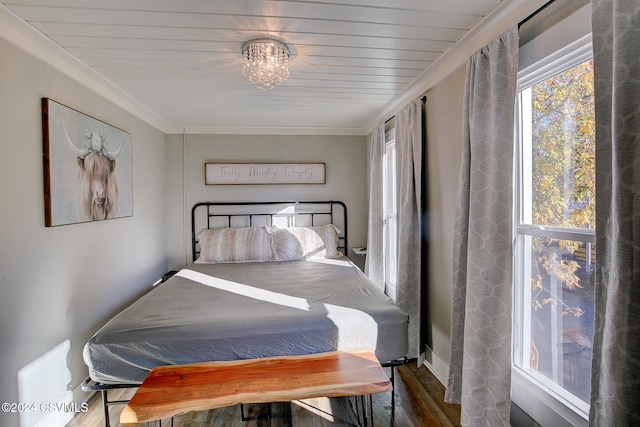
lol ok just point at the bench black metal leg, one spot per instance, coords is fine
(363, 399)
(366, 403)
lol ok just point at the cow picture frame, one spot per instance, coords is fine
(88, 167)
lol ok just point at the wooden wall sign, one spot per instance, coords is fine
(264, 173)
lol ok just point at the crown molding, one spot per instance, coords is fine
(214, 130)
(503, 16)
(24, 36)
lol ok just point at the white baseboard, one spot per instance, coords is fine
(437, 366)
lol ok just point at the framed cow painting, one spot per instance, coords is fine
(88, 166)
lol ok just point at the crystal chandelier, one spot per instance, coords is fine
(266, 62)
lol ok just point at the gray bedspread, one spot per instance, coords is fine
(242, 311)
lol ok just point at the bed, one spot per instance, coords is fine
(268, 279)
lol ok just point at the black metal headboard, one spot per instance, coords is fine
(208, 215)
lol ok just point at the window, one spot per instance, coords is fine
(555, 250)
(390, 215)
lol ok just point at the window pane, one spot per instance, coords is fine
(390, 217)
(562, 191)
(555, 277)
(557, 312)
(392, 251)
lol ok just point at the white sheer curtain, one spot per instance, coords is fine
(409, 193)
(615, 386)
(374, 263)
(480, 365)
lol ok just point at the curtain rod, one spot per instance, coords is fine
(540, 9)
(423, 99)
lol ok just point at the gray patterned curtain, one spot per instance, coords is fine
(615, 386)
(409, 192)
(480, 365)
(374, 263)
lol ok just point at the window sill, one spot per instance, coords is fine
(545, 409)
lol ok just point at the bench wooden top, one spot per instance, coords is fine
(176, 389)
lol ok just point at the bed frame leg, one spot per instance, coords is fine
(392, 366)
(393, 396)
(105, 407)
(91, 386)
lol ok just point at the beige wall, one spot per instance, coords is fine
(57, 285)
(346, 178)
(444, 139)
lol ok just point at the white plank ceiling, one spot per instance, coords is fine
(182, 59)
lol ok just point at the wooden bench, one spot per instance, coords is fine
(177, 389)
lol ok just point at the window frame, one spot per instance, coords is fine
(531, 394)
(390, 213)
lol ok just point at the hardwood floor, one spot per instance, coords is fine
(418, 402)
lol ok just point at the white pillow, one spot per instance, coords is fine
(295, 243)
(235, 245)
